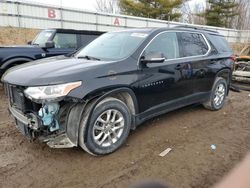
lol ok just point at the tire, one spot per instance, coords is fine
(107, 129)
(219, 90)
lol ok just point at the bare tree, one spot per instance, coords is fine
(107, 6)
(187, 15)
(191, 13)
(198, 9)
(242, 21)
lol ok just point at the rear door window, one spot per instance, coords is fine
(192, 44)
(65, 40)
(166, 43)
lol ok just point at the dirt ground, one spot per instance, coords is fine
(13, 35)
(189, 132)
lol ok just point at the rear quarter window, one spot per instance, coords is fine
(220, 43)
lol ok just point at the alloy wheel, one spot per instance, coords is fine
(108, 128)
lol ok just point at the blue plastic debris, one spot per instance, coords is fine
(48, 113)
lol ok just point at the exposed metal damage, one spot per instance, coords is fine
(46, 121)
(241, 73)
(48, 116)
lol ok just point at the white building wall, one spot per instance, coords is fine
(27, 15)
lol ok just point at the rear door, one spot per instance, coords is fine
(195, 51)
(163, 84)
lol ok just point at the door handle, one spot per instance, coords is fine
(212, 62)
(178, 67)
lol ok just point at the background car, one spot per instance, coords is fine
(48, 43)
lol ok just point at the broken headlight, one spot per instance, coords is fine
(50, 92)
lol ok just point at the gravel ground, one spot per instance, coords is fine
(189, 132)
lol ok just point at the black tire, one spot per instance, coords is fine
(87, 131)
(211, 104)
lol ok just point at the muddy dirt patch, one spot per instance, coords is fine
(189, 132)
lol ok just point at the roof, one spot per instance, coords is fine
(87, 32)
(198, 28)
(160, 29)
(143, 29)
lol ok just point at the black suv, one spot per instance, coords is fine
(48, 43)
(96, 96)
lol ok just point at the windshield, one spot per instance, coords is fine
(112, 46)
(42, 37)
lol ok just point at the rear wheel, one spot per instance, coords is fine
(218, 95)
(108, 127)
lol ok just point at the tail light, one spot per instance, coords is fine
(233, 57)
(233, 65)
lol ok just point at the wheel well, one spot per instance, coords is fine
(225, 74)
(15, 61)
(123, 95)
(127, 99)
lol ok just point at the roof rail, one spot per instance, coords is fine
(197, 28)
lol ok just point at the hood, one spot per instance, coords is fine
(55, 70)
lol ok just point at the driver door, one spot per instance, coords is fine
(167, 83)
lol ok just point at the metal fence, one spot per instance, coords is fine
(40, 16)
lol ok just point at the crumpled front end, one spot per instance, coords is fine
(50, 122)
(241, 75)
(241, 72)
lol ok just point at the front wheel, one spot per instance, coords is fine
(218, 95)
(107, 129)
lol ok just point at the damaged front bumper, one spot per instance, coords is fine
(56, 123)
(24, 124)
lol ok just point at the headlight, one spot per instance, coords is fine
(51, 92)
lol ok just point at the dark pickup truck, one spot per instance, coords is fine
(48, 43)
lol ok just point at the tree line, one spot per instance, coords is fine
(221, 13)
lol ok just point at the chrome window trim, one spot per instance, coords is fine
(175, 31)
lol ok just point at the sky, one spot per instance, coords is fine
(78, 4)
(83, 4)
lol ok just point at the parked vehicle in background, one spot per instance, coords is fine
(241, 73)
(48, 43)
(96, 96)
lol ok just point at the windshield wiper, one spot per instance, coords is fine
(89, 58)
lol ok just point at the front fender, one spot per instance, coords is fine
(73, 122)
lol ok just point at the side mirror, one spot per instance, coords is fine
(29, 42)
(153, 57)
(48, 44)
